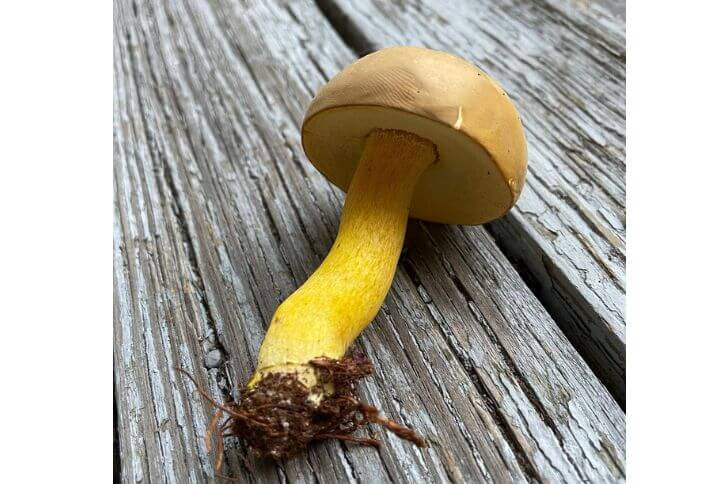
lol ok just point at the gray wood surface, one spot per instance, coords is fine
(563, 63)
(218, 216)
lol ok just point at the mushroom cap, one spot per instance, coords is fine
(481, 163)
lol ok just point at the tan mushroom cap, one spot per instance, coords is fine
(481, 147)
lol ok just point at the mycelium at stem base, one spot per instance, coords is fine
(303, 386)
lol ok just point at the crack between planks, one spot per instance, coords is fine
(552, 296)
(345, 27)
(612, 376)
(117, 448)
(568, 314)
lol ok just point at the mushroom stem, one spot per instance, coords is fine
(326, 314)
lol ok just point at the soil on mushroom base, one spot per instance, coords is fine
(278, 417)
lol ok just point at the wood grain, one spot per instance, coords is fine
(563, 64)
(218, 217)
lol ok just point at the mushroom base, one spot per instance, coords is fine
(280, 416)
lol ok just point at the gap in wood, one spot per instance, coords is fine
(352, 36)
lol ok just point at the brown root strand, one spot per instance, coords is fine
(277, 417)
(399, 430)
(211, 429)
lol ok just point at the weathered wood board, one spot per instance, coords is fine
(218, 216)
(563, 63)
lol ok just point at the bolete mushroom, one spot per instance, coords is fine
(406, 132)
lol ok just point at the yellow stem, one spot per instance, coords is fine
(326, 314)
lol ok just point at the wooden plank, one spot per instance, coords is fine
(563, 63)
(218, 216)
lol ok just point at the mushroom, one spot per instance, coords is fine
(406, 132)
